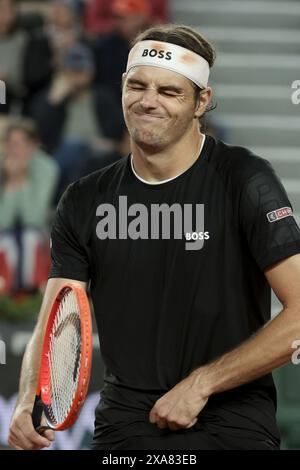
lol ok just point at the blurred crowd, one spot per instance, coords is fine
(62, 63)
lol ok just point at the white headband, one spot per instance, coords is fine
(172, 57)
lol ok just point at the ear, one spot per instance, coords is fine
(203, 102)
(124, 75)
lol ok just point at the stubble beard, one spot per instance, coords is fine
(149, 138)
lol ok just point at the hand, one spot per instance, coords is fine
(179, 408)
(22, 435)
(60, 89)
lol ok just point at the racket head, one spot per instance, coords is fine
(66, 357)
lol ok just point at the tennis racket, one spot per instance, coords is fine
(65, 362)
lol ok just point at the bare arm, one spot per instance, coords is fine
(22, 434)
(269, 348)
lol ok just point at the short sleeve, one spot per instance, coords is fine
(68, 257)
(266, 217)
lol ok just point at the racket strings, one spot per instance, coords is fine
(64, 357)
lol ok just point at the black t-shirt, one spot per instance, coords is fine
(176, 272)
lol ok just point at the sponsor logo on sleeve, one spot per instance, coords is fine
(278, 214)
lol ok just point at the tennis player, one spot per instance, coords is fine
(181, 242)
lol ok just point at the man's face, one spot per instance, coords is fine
(159, 106)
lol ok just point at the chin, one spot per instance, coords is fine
(147, 138)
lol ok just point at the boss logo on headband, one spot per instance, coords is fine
(159, 54)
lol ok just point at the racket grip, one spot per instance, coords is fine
(37, 412)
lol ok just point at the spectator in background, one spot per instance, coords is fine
(25, 59)
(75, 120)
(28, 179)
(64, 28)
(111, 50)
(99, 14)
(121, 149)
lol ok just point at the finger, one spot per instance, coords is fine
(152, 417)
(37, 440)
(12, 443)
(49, 434)
(24, 434)
(180, 423)
(26, 431)
(18, 441)
(174, 426)
(14, 446)
(192, 423)
(162, 423)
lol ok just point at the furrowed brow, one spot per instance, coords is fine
(134, 81)
(172, 88)
(161, 88)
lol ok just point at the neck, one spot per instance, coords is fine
(155, 166)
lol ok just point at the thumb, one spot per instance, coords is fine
(192, 423)
(49, 434)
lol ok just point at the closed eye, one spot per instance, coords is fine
(168, 93)
(171, 91)
(136, 87)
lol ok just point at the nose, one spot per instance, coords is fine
(149, 98)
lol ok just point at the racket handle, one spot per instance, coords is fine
(37, 412)
(41, 429)
(37, 416)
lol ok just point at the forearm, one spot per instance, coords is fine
(22, 434)
(269, 348)
(29, 372)
(31, 359)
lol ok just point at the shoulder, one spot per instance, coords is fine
(78, 200)
(99, 181)
(237, 162)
